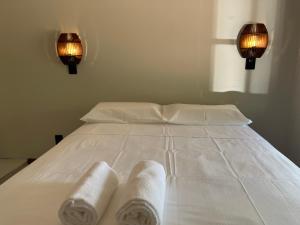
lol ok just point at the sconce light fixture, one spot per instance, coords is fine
(252, 42)
(69, 50)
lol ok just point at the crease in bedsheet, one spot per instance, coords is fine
(189, 131)
(121, 150)
(261, 165)
(231, 132)
(241, 183)
(164, 130)
(169, 163)
(228, 164)
(127, 134)
(198, 158)
(283, 196)
(152, 130)
(172, 157)
(252, 158)
(168, 158)
(145, 147)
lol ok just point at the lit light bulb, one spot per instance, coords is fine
(254, 41)
(71, 49)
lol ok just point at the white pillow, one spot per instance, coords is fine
(188, 114)
(124, 112)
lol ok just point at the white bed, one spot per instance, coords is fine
(216, 175)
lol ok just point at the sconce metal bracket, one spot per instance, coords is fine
(72, 64)
(250, 63)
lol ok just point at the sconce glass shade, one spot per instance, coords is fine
(252, 43)
(69, 50)
(253, 40)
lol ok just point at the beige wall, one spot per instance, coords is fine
(162, 51)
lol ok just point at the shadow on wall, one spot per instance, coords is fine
(294, 131)
(264, 93)
(294, 141)
(228, 68)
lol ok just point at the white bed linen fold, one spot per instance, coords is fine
(200, 188)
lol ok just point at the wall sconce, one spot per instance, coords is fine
(252, 42)
(69, 50)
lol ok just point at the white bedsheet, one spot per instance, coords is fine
(216, 175)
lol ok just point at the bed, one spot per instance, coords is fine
(216, 174)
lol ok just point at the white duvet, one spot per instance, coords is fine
(216, 175)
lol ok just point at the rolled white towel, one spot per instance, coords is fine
(143, 198)
(91, 196)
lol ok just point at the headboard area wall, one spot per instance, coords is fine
(162, 51)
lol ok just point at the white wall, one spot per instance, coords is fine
(163, 51)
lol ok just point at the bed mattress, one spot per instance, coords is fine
(216, 175)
